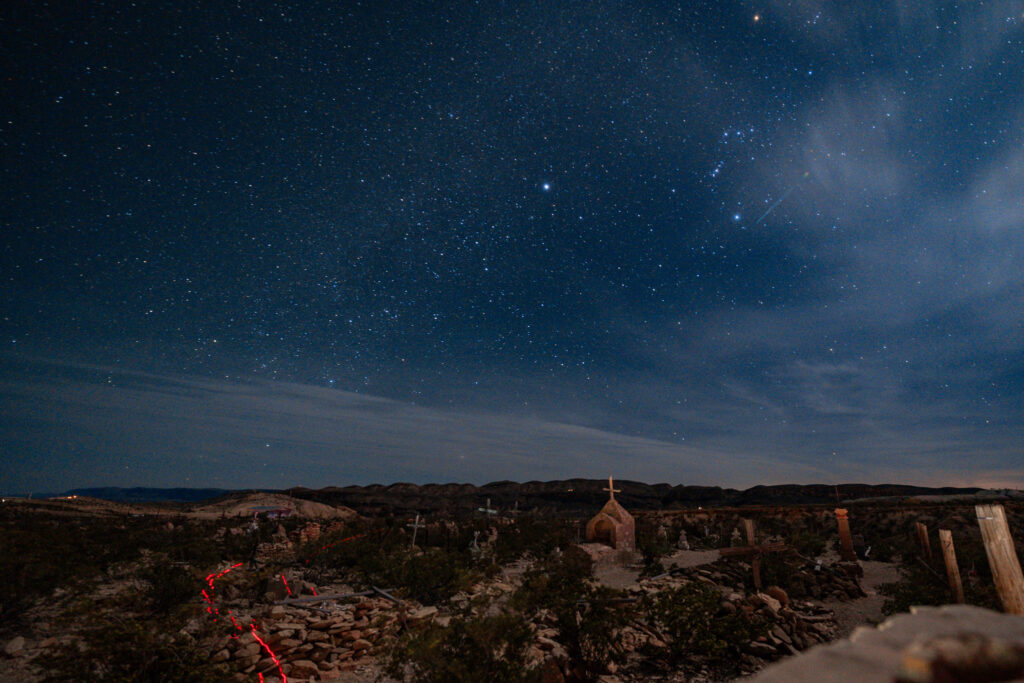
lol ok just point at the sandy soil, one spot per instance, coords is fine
(867, 610)
(613, 574)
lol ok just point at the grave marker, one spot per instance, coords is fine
(416, 526)
(1002, 558)
(922, 537)
(846, 551)
(952, 570)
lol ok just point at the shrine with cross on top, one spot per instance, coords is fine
(612, 525)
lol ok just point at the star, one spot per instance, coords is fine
(546, 186)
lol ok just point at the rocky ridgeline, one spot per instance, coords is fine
(580, 496)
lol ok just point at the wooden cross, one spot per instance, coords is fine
(758, 551)
(611, 489)
(416, 526)
(487, 509)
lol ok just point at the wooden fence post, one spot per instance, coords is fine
(748, 529)
(952, 570)
(922, 538)
(845, 540)
(1002, 558)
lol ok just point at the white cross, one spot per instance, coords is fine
(487, 509)
(416, 526)
(611, 490)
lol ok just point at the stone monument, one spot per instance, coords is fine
(612, 525)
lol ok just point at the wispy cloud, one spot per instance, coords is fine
(85, 425)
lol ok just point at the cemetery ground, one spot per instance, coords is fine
(90, 591)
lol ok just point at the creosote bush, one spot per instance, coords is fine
(584, 614)
(690, 617)
(486, 648)
(170, 586)
(130, 651)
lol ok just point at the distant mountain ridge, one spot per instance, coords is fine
(567, 496)
(139, 494)
(582, 495)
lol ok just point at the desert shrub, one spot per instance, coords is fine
(430, 577)
(372, 557)
(689, 616)
(44, 554)
(555, 579)
(652, 546)
(589, 632)
(533, 536)
(170, 586)
(808, 543)
(129, 651)
(920, 586)
(487, 648)
(584, 614)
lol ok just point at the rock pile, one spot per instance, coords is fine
(801, 579)
(314, 643)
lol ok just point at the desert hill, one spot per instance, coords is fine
(244, 505)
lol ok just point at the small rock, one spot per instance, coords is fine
(422, 613)
(779, 594)
(15, 647)
(303, 668)
(772, 604)
(761, 649)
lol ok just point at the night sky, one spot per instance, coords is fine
(271, 244)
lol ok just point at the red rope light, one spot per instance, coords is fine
(212, 609)
(277, 662)
(285, 581)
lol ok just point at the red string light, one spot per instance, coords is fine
(212, 609)
(277, 662)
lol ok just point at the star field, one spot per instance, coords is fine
(787, 231)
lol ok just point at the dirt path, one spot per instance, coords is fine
(614, 575)
(867, 610)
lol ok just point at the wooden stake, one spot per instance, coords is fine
(922, 537)
(845, 539)
(1002, 558)
(757, 551)
(952, 570)
(748, 529)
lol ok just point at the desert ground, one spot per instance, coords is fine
(268, 587)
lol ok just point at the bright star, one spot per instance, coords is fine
(546, 186)
(735, 216)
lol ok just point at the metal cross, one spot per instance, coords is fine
(487, 509)
(611, 489)
(416, 526)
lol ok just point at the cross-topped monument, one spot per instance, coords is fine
(612, 525)
(611, 489)
(416, 526)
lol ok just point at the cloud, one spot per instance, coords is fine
(102, 426)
